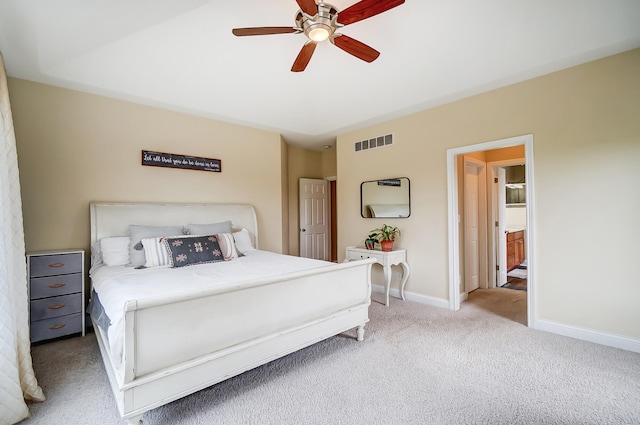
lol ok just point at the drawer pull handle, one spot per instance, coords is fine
(57, 285)
(56, 264)
(57, 327)
(55, 307)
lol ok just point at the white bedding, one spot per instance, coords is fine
(117, 284)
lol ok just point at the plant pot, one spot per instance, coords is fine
(387, 245)
(370, 243)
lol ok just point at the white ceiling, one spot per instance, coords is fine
(181, 55)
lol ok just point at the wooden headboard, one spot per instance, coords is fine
(113, 219)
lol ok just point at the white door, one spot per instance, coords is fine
(501, 229)
(314, 219)
(471, 227)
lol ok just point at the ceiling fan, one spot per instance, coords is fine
(319, 22)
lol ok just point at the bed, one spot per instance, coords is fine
(175, 343)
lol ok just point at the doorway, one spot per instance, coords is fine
(514, 222)
(456, 255)
(314, 213)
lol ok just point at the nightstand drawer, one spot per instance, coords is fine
(353, 255)
(51, 265)
(55, 327)
(56, 306)
(52, 286)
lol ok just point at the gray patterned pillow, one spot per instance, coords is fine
(190, 250)
(208, 229)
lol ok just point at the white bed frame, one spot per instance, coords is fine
(175, 346)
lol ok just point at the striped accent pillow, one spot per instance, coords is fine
(155, 252)
(227, 245)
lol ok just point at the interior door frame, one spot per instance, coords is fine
(454, 218)
(333, 218)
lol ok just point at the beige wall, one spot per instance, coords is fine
(586, 154)
(329, 164)
(74, 148)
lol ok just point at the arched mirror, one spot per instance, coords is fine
(388, 198)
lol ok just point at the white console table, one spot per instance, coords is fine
(386, 260)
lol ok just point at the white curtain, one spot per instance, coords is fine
(17, 380)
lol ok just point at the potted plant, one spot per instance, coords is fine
(370, 242)
(385, 235)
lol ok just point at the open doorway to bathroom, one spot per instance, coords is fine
(495, 246)
(515, 222)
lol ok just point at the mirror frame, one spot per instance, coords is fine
(390, 181)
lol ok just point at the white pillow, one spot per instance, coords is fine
(227, 245)
(243, 241)
(115, 250)
(155, 252)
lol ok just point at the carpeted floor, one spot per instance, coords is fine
(417, 365)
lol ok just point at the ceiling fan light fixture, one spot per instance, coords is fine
(318, 32)
(319, 21)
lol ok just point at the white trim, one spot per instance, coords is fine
(453, 222)
(531, 233)
(454, 218)
(610, 340)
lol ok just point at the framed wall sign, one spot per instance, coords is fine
(171, 160)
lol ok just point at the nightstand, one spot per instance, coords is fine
(386, 259)
(56, 293)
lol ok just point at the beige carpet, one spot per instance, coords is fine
(417, 365)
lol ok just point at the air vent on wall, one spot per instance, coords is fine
(373, 143)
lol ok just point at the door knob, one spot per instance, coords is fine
(303, 230)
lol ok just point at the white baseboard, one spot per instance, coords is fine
(610, 340)
(412, 296)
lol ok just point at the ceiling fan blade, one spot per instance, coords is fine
(365, 9)
(356, 48)
(240, 32)
(308, 6)
(304, 57)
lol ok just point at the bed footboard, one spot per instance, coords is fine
(179, 345)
